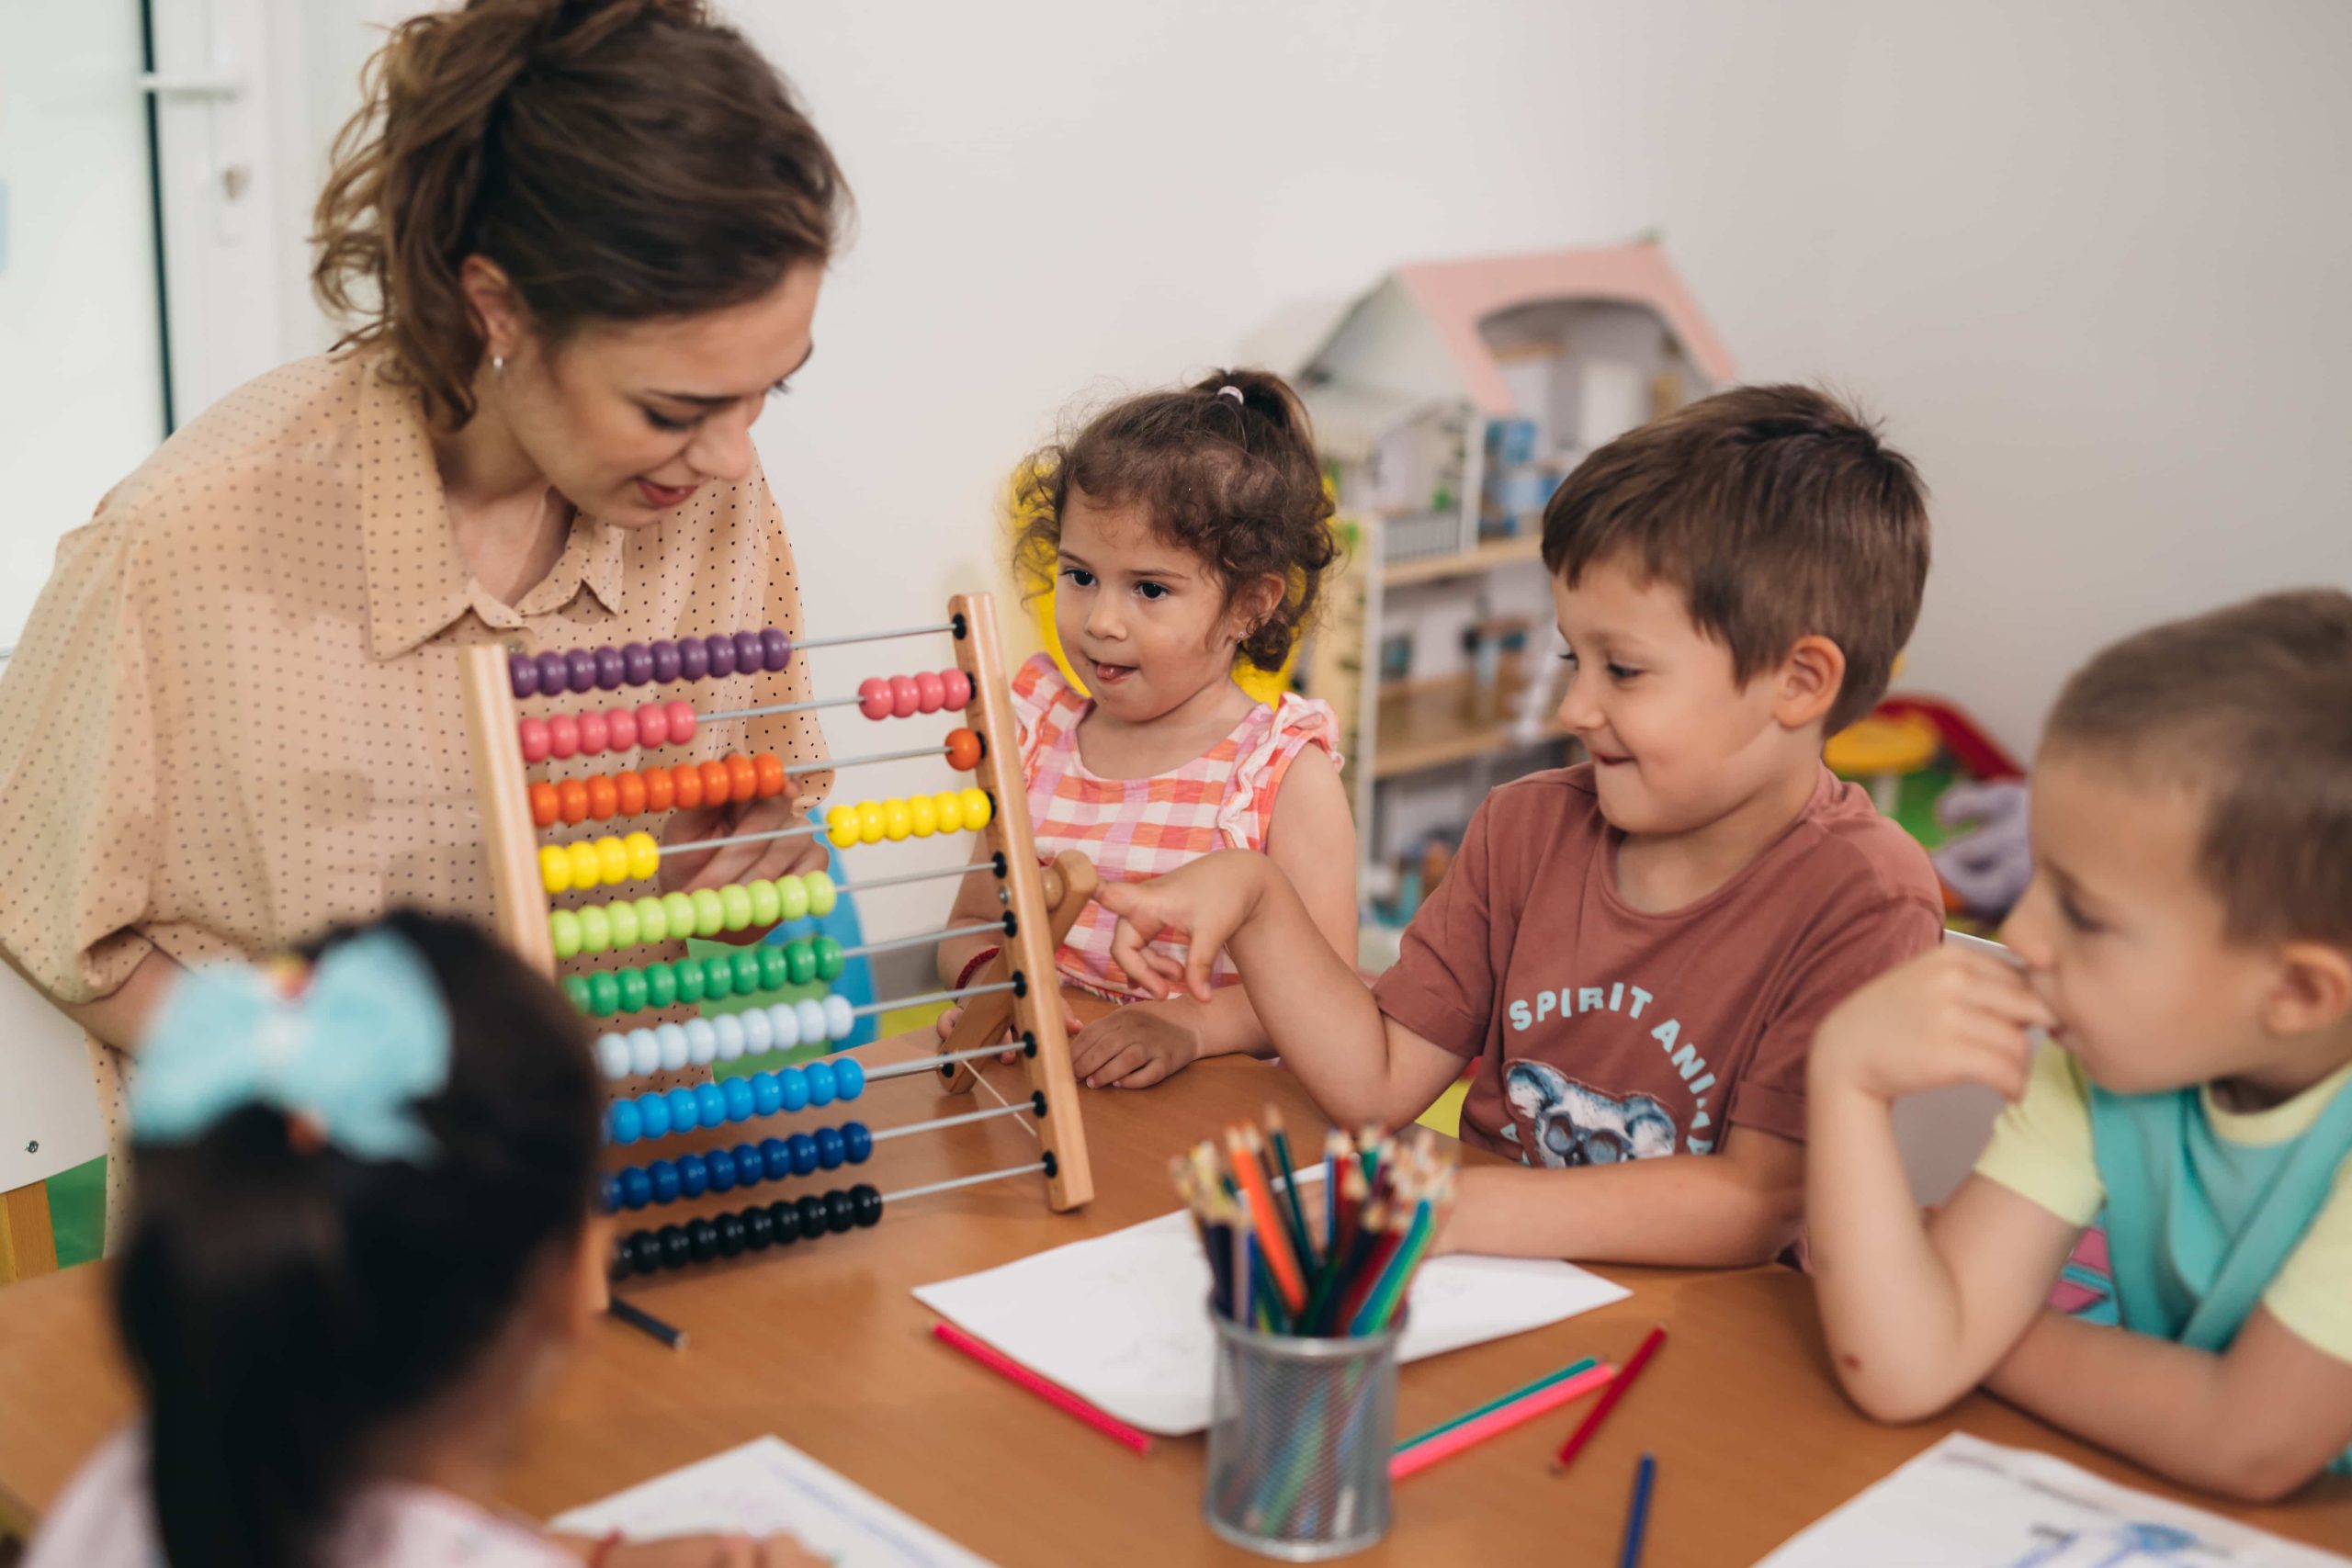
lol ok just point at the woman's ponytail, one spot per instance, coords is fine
(616, 159)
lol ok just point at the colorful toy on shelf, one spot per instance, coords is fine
(1883, 748)
(1932, 769)
(1015, 993)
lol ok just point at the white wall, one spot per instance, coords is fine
(2086, 258)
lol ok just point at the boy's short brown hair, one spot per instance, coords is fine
(2249, 708)
(1778, 512)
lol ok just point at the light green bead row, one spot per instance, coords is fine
(706, 912)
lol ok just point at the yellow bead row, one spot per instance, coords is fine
(591, 862)
(871, 821)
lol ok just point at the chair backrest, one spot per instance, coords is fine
(49, 1118)
(49, 1105)
(1942, 1131)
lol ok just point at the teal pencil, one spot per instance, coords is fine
(1574, 1368)
(1279, 1136)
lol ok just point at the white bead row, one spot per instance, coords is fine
(699, 1042)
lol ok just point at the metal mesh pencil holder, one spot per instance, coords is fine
(1299, 1439)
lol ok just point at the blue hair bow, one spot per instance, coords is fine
(351, 1054)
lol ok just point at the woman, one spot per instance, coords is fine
(583, 241)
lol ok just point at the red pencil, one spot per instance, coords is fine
(1609, 1397)
(996, 1361)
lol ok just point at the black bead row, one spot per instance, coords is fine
(754, 1229)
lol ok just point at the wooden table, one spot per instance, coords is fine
(825, 1347)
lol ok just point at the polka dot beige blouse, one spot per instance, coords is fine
(233, 718)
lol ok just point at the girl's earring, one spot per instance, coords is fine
(498, 364)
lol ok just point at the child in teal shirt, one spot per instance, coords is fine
(2187, 944)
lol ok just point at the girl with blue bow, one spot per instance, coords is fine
(364, 1244)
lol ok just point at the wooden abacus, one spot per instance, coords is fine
(1016, 994)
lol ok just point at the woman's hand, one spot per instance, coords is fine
(1137, 1045)
(733, 864)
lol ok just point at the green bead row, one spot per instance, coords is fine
(745, 972)
(706, 912)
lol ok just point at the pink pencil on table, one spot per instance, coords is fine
(1055, 1394)
(1453, 1440)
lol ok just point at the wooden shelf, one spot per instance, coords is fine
(1428, 723)
(1462, 563)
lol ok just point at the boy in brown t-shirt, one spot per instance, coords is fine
(1635, 951)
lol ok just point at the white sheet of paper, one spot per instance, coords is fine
(1123, 1319)
(1970, 1504)
(768, 1486)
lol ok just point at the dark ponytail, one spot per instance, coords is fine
(619, 160)
(1227, 469)
(284, 1307)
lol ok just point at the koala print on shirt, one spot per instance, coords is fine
(1558, 1123)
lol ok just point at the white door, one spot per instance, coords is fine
(145, 242)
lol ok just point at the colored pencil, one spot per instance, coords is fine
(1421, 1455)
(1272, 1238)
(1279, 1136)
(1380, 1306)
(636, 1318)
(1637, 1513)
(1546, 1380)
(1054, 1395)
(1280, 1263)
(1335, 1149)
(1608, 1402)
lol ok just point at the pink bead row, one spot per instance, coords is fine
(903, 696)
(613, 730)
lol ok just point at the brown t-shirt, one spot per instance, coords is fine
(1602, 1033)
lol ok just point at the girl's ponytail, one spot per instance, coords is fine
(234, 1294)
(286, 1303)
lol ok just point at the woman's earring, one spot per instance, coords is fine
(498, 364)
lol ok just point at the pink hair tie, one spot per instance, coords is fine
(1233, 392)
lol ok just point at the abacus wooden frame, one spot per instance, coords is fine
(1032, 1011)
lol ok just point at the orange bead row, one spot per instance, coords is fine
(681, 787)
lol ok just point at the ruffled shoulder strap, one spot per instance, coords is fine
(1046, 708)
(1267, 751)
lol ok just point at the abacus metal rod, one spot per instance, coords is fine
(936, 1123)
(963, 1182)
(848, 637)
(773, 708)
(895, 1003)
(922, 939)
(873, 882)
(932, 1064)
(861, 761)
(800, 832)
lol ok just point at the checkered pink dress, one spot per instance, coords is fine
(1223, 799)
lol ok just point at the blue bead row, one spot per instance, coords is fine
(658, 1115)
(745, 1164)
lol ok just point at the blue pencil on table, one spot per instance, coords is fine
(1637, 1513)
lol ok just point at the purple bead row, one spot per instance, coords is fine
(608, 669)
